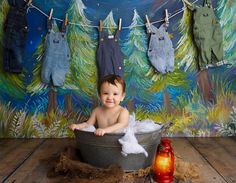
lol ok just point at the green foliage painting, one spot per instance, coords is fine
(199, 103)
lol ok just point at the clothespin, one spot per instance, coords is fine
(66, 20)
(29, 2)
(187, 2)
(100, 25)
(149, 25)
(50, 15)
(148, 22)
(166, 17)
(120, 21)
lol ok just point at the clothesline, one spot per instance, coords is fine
(127, 27)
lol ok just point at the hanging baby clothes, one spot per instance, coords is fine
(160, 51)
(208, 36)
(56, 58)
(16, 28)
(109, 55)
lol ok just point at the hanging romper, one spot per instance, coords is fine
(56, 58)
(208, 36)
(109, 55)
(160, 51)
(16, 29)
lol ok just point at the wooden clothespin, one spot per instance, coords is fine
(120, 22)
(66, 20)
(166, 17)
(148, 22)
(50, 15)
(29, 2)
(187, 2)
(100, 25)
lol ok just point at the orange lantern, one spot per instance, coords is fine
(164, 162)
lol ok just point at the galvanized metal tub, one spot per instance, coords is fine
(106, 150)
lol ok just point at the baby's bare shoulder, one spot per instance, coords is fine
(124, 111)
(97, 110)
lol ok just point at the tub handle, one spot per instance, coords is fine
(166, 126)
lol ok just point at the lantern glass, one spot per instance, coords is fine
(163, 163)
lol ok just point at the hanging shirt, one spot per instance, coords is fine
(56, 58)
(109, 55)
(208, 36)
(160, 50)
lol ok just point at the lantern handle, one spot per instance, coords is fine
(166, 126)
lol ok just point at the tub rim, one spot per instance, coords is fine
(161, 129)
(122, 133)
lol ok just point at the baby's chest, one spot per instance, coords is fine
(105, 121)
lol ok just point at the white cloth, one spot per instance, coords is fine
(129, 142)
(90, 128)
(146, 125)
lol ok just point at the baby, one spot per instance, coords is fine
(110, 116)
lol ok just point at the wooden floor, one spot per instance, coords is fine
(21, 159)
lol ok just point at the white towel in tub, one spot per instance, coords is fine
(90, 128)
(146, 125)
(129, 142)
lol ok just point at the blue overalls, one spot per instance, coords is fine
(109, 55)
(56, 58)
(160, 51)
(16, 29)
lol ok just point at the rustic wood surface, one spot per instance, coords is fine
(187, 152)
(25, 160)
(13, 153)
(220, 154)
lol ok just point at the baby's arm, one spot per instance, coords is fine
(90, 121)
(122, 122)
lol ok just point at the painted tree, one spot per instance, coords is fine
(186, 56)
(226, 10)
(11, 84)
(109, 23)
(83, 72)
(165, 82)
(136, 64)
(36, 86)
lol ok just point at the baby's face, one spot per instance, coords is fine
(111, 95)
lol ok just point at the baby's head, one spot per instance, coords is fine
(111, 90)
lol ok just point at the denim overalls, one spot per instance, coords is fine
(109, 55)
(16, 28)
(208, 36)
(160, 51)
(56, 58)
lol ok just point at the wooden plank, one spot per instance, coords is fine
(187, 152)
(13, 153)
(220, 153)
(8, 145)
(35, 169)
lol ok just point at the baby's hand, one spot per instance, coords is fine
(74, 126)
(99, 132)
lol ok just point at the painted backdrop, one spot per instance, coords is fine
(199, 103)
